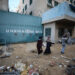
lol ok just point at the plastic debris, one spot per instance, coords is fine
(24, 72)
(55, 57)
(2, 67)
(5, 52)
(52, 63)
(20, 66)
(67, 61)
(44, 44)
(65, 57)
(19, 69)
(73, 59)
(70, 70)
(35, 73)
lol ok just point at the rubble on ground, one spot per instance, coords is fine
(52, 64)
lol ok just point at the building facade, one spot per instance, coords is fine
(58, 20)
(38, 7)
(4, 5)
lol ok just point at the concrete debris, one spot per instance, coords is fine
(10, 73)
(1, 52)
(66, 57)
(52, 63)
(55, 57)
(18, 57)
(70, 70)
(33, 51)
(35, 73)
(67, 61)
(5, 52)
(20, 66)
(2, 67)
(73, 59)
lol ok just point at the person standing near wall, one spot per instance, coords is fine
(67, 33)
(39, 45)
(64, 41)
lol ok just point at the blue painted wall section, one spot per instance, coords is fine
(16, 28)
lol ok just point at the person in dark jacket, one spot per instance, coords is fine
(48, 45)
(39, 45)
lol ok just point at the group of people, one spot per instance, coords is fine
(65, 39)
(48, 45)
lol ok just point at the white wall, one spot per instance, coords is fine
(52, 26)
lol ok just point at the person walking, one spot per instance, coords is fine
(64, 41)
(39, 45)
(48, 45)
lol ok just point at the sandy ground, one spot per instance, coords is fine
(25, 54)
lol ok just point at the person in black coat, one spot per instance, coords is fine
(48, 45)
(39, 45)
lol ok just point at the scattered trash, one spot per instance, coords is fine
(44, 44)
(70, 70)
(20, 66)
(52, 63)
(36, 72)
(18, 57)
(33, 51)
(2, 67)
(5, 53)
(73, 59)
(24, 72)
(1, 52)
(55, 57)
(19, 69)
(67, 61)
(61, 65)
(9, 73)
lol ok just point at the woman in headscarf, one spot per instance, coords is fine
(48, 45)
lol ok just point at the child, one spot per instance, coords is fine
(39, 45)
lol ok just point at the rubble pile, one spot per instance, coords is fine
(70, 70)
(19, 69)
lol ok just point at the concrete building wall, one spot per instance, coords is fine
(65, 27)
(73, 32)
(55, 30)
(52, 26)
(38, 7)
(22, 6)
(56, 33)
(4, 5)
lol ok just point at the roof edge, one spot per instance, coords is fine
(59, 18)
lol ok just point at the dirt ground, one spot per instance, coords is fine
(27, 53)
